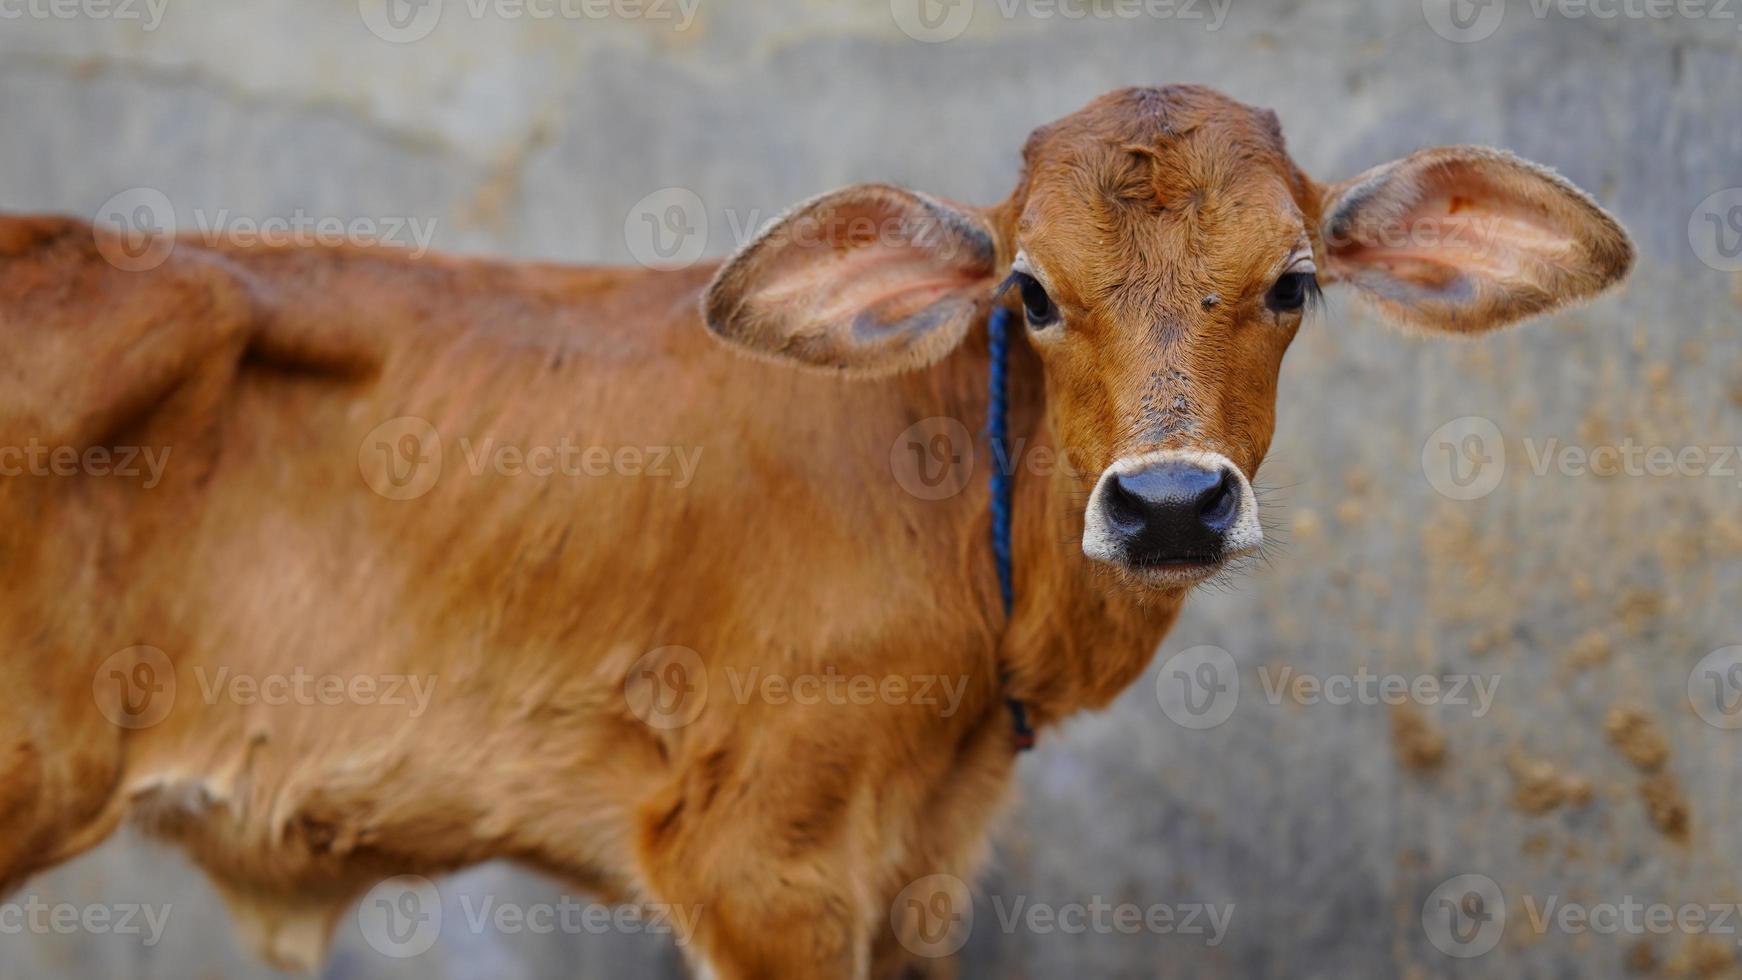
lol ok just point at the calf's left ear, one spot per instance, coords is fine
(867, 281)
(1463, 239)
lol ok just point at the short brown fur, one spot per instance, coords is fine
(1159, 218)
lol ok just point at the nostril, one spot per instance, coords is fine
(1124, 507)
(1218, 506)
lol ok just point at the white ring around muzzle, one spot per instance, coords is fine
(1102, 543)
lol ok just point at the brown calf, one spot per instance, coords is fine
(600, 634)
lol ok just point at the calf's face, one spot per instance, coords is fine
(1162, 256)
(1162, 250)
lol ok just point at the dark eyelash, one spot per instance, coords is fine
(1311, 292)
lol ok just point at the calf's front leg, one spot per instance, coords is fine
(765, 841)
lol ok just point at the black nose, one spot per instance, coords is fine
(1172, 512)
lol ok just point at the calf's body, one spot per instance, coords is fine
(749, 514)
(680, 625)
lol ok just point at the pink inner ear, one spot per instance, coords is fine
(866, 257)
(1456, 222)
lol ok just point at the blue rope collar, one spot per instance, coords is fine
(1002, 483)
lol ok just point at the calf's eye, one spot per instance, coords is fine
(1035, 302)
(1292, 291)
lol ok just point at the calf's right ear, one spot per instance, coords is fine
(865, 281)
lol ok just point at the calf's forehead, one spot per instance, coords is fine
(1150, 193)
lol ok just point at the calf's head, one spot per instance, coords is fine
(1163, 250)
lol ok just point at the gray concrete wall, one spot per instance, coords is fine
(1569, 592)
